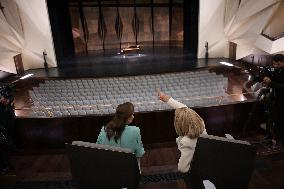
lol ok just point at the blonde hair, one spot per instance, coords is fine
(188, 123)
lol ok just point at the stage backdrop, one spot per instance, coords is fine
(103, 25)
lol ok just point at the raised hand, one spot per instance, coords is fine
(163, 97)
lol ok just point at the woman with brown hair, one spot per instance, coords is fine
(118, 133)
(189, 126)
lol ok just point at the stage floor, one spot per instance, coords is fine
(124, 68)
(110, 64)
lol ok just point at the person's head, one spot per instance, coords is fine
(123, 116)
(278, 61)
(188, 123)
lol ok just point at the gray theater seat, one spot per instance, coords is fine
(80, 92)
(227, 163)
(102, 166)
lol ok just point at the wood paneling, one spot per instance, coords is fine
(156, 127)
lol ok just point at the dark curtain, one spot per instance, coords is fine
(190, 36)
(60, 22)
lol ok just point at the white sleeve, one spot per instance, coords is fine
(185, 158)
(175, 104)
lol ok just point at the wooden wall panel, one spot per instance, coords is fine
(156, 127)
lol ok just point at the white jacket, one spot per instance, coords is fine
(185, 144)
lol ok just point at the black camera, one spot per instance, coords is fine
(263, 71)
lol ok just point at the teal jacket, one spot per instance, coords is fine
(130, 138)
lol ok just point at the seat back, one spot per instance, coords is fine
(102, 166)
(225, 162)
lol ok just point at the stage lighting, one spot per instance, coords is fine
(226, 64)
(27, 76)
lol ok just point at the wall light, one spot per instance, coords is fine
(26, 76)
(226, 64)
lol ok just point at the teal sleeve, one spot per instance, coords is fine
(100, 137)
(139, 146)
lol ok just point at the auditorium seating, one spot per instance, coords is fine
(55, 98)
(101, 166)
(225, 162)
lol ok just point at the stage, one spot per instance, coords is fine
(109, 63)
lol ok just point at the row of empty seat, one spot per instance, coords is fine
(55, 98)
(230, 165)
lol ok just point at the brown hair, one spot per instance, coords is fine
(116, 126)
(188, 123)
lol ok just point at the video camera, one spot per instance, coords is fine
(263, 71)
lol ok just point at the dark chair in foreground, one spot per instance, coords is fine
(101, 166)
(227, 163)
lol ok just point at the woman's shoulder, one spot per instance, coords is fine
(103, 128)
(131, 128)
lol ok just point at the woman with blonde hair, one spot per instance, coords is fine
(118, 133)
(189, 126)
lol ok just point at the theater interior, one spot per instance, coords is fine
(69, 63)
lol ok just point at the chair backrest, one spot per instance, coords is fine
(225, 162)
(102, 166)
